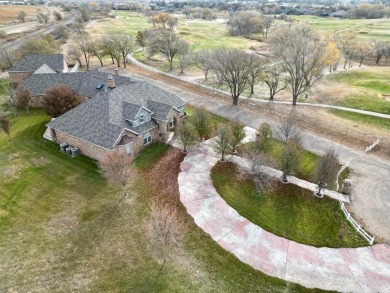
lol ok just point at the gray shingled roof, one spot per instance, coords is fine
(160, 110)
(84, 83)
(129, 111)
(89, 122)
(31, 63)
(101, 119)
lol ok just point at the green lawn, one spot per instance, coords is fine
(215, 119)
(150, 155)
(61, 226)
(361, 118)
(288, 211)
(201, 34)
(367, 29)
(369, 86)
(307, 161)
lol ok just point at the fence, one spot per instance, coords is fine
(369, 238)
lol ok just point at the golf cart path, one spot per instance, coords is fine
(365, 269)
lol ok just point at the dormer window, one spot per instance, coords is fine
(141, 119)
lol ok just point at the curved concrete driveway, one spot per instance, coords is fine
(369, 173)
(365, 269)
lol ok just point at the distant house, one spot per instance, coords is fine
(339, 14)
(49, 63)
(84, 83)
(122, 118)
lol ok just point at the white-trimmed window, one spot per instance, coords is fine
(172, 122)
(147, 138)
(141, 119)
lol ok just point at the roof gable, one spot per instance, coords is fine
(31, 63)
(44, 69)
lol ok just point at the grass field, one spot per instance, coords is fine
(200, 33)
(288, 211)
(8, 13)
(62, 229)
(361, 118)
(367, 29)
(370, 87)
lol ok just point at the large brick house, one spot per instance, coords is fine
(124, 118)
(47, 63)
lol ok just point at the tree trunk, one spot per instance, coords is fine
(159, 272)
(112, 59)
(235, 100)
(28, 111)
(271, 95)
(9, 137)
(295, 98)
(252, 86)
(206, 73)
(101, 62)
(124, 60)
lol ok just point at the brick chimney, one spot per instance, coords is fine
(111, 82)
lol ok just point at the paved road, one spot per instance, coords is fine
(365, 269)
(369, 173)
(10, 46)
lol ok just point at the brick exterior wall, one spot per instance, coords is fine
(96, 152)
(18, 77)
(164, 124)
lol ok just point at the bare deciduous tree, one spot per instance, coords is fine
(117, 168)
(172, 22)
(83, 44)
(221, 143)
(112, 50)
(346, 41)
(302, 55)
(259, 160)
(245, 23)
(7, 59)
(287, 129)
(202, 60)
(275, 80)
(202, 123)
(267, 22)
(12, 102)
(256, 68)
(326, 170)
(183, 54)
(289, 159)
(163, 42)
(97, 50)
(5, 124)
(186, 135)
(76, 53)
(237, 134)
(362, 51)
(164, 232)
(124, 44)
(23, 97)
(233, 68)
